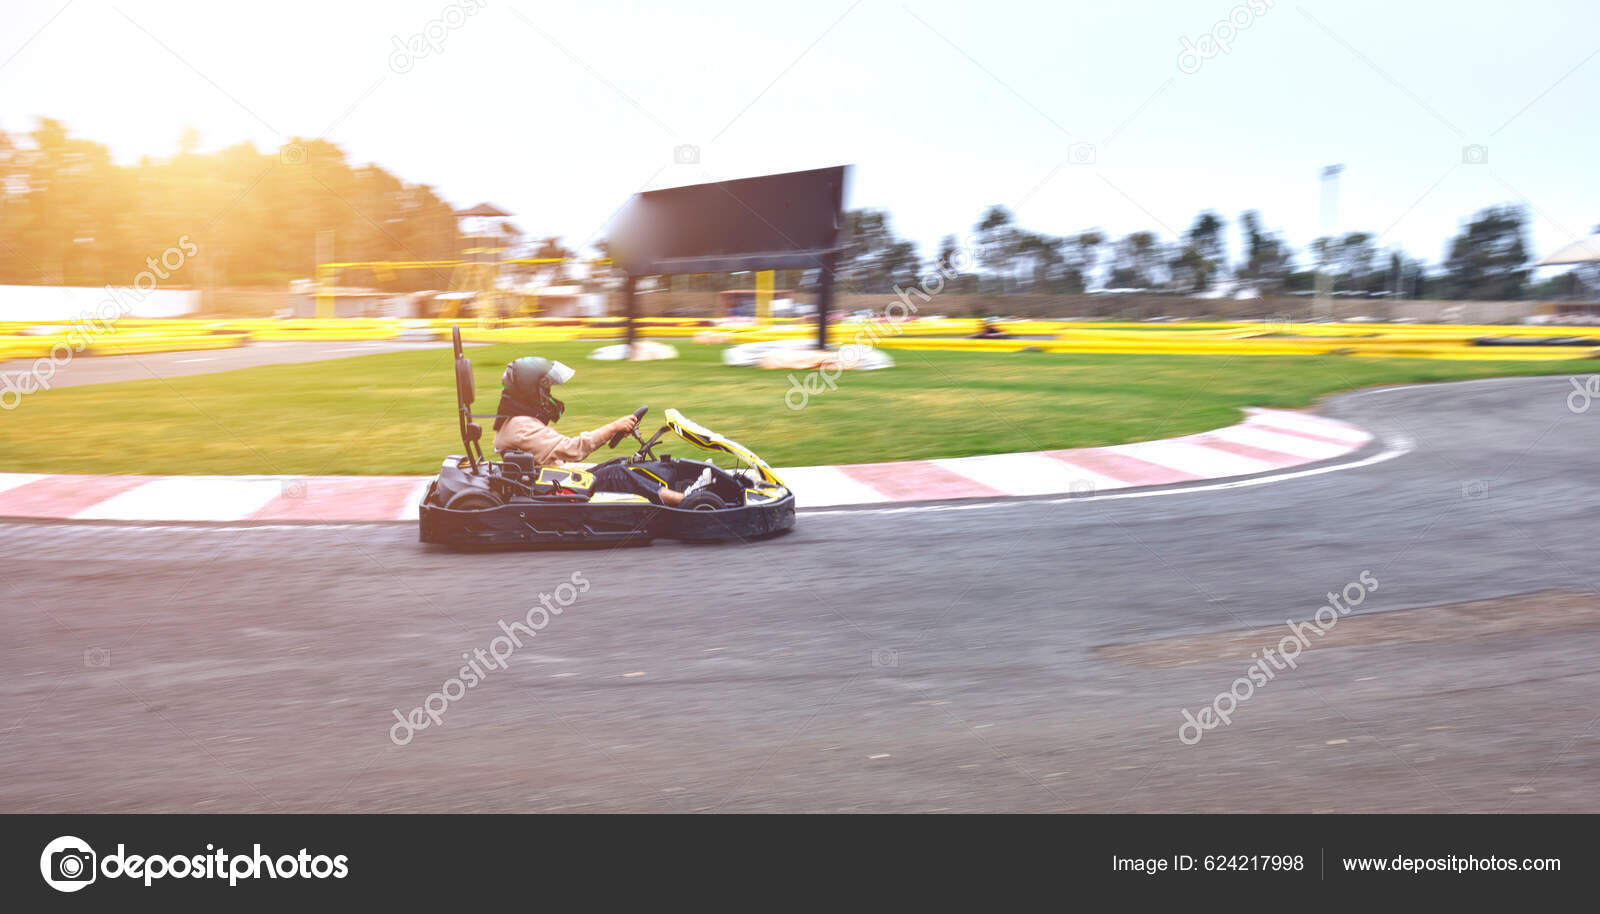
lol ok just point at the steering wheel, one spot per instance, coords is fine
(637, 415)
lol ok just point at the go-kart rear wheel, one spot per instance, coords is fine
(704, 500)
(473, 501)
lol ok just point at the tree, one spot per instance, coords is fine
(1043, 261)
(1488, 260)
(1266, 264)
(946, 264)
(1137, 262)
(1023, 260)
(1356, 261)
(998, 242)
(874, 259)
(1087, 255)
(1201, 255)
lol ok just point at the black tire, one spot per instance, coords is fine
(703, 500)
(473, 500)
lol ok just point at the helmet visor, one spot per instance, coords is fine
(559, 373)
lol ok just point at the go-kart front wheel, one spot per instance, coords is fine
(704, 500)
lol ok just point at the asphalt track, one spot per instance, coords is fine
(989, 656)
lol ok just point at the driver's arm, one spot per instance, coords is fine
(550, 446)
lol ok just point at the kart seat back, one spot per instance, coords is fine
(471, 432)
(465, 394)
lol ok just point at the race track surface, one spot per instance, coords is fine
(1004, 656)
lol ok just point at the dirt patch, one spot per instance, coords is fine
(1546, 611)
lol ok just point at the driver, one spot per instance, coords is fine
(525, 416)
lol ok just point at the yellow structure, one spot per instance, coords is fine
(328, 275)
(480, 277)
(764, 295)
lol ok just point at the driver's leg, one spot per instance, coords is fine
(647, 479)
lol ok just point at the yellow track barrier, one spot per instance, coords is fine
(26, 340)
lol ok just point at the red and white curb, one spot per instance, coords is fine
(1266, 441)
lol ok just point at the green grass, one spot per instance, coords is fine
(395, 413)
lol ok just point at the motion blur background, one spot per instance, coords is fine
(1170, 148)
(236, 240)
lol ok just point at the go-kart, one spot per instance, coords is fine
(476, 501)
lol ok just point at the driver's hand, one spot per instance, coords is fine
(626, 424)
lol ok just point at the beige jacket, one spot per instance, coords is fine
(548, 446)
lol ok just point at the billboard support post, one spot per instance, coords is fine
(630, 308)
(764, 295)
(824, 298)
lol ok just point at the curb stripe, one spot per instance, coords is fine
(208, 498)
(1277, 458)
(1129, 471)
(1267, 440)
(351, 498)
(1203, 462)
(412, 509)
(64, 496)
(1309, 436)
(9, 481)
(1297, 445)
(917, 480)
(1330, 430)
(824, 487)
(1029, 474)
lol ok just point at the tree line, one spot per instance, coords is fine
(1489, 259)
(69, 215)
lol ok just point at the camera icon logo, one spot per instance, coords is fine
(885, 658)
(1475, 489)
(67, 864)
(1082, 154)
(97, 657)
(1475, 154)
(686, 154)
(293, 488)
(292, 154)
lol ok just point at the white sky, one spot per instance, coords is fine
(559, 111)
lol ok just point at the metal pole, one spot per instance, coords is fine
(630, 308)
(326, 276)
(824, 298)
(1330, 222)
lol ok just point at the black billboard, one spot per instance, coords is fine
(774, 222)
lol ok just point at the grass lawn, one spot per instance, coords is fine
(395, 413)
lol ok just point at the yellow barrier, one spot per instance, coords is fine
(137, 343)
(35, 339)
